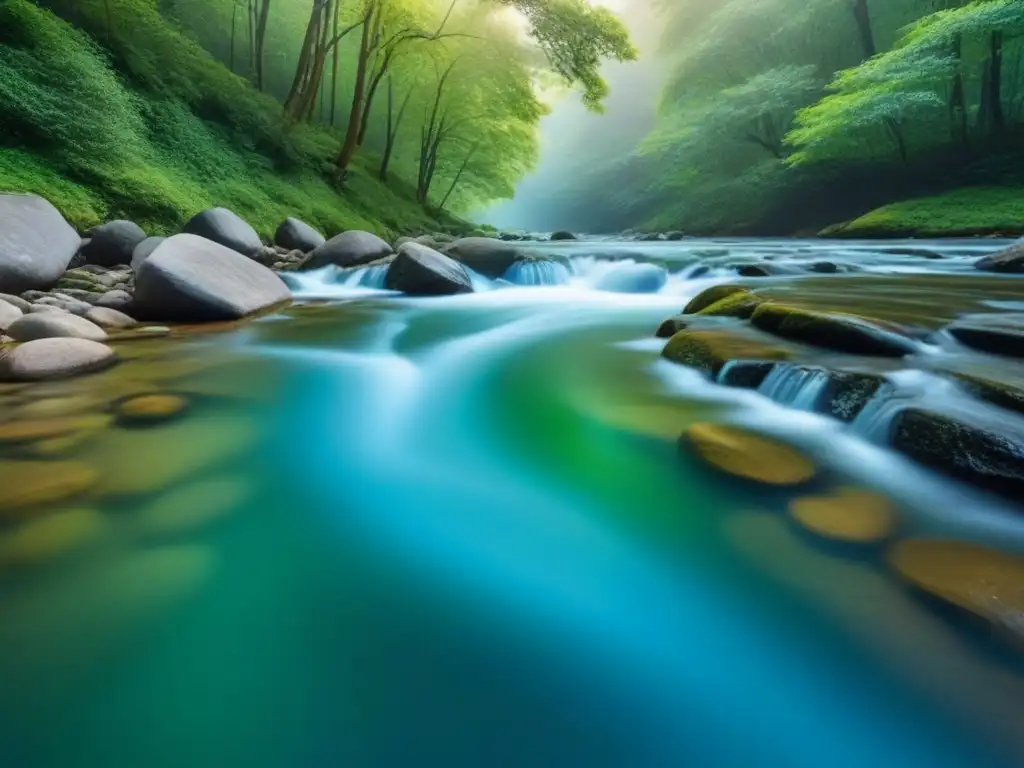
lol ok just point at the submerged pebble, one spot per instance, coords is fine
(747, 455)
(50, 536)
(850, 514)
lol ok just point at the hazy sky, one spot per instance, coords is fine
(572, 139)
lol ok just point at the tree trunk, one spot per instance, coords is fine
(862, 15)
(370, 93)
(234, 21)
(348, 147)
(458, 176)
(262, 16)
(957, 98)
(393, 126)
(995, 83)
(302, 69)
(251, 13)
(334, 66)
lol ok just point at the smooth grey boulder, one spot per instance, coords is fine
(8, 315)
(51, 325)
(114, 299)
(422, 271)
(296, 235)
(54, 359)
(192, 279)
(16, 301)
(490, 257)
(144, 250)
(112, 243)
(36, 243)
(1011, 260)
(226, 228)
(349, 249)
(108, 318)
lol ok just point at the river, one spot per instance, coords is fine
(458, 531)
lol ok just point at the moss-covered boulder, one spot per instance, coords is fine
(842, 333)
(996, 334)
(741, 304)
(998, 393)
(744, 454)
(850, 515)
(712, 295)
(847, 392)
(978, 455)
(709, 351)
(984, 582)
(27, 484)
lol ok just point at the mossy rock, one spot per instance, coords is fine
(849, 515)
(710, 351)
(842, 333)
(50, 536)
(64, 284)
(671, 327)
(739, 304)
(744, 454)
(712, 295)
(978, 455)
(995, 334)
(998, 393)
(984, 582)
(28, 484)
(848, 392)
(15, 432)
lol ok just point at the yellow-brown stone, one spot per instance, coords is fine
(983, 581)
(749, 456)
(851, 514)
(151, 408)
(26, 484)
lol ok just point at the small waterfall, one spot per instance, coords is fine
(537, 272)
(363, 277)
(796, 387)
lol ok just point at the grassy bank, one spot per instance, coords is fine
(140, 123)
(959, 213)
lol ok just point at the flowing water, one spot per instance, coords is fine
(459, 532)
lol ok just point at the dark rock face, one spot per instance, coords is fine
(996, 334)
(843, 333)
(422, 271)
(349, 249)
(192, 279)
(112, 243)
(143, 251)
(296, 235)
(36, 243)
(226, 228)
(846, 394)
(745, 374)
(563, 235)
(824, 267)
(977, 455)
(490, 257)
(671, 327)
(1011, 260)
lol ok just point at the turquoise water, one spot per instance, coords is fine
(460, 545)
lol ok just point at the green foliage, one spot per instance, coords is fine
(960, 213)
(99, 149)
(576, 37)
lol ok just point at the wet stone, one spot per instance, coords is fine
(744, 454)
(28, 484)
(150, 409)
(850, 515)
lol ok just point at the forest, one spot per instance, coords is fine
(786, 116)
(385, 115)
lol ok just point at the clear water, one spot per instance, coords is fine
(467, 538)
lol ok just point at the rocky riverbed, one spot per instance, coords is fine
(656, 492)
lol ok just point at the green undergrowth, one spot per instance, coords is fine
(142, 124)
(962, 212)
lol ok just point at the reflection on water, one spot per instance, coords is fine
(459, 532)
